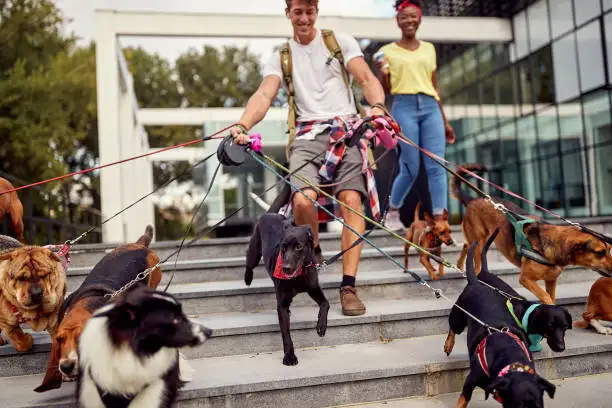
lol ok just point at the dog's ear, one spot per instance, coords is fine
(568, 318)
(445, 215)
(498, 384)
(428, 218)
(53, 377)
(547, 386)
(123, 315)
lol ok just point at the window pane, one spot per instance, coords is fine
(599, 124)
(586, 10)
(565, 68)
(520, 35)
(561, 16)
(539, 34)
(607, 4)
(590, 57)
(550, 166)
(608, 27)
(543, 81)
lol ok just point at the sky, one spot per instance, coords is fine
(81, 12)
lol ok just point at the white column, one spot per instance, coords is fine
(107, 77)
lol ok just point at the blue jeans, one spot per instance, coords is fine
(421, 121)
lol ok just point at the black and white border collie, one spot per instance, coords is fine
(129, 351)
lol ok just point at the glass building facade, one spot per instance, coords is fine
(538, 112)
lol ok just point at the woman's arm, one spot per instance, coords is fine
(450, 133)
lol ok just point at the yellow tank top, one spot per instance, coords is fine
(411, 71)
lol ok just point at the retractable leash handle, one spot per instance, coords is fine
(230, 153)
(383, 129)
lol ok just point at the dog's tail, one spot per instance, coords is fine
(281, 199)
(470, 271)
(483, 254)
(146, 238)
(456, 190)
(417, 211)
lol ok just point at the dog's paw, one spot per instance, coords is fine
(290, 359)
(26, 344)
(606, 331)
(449, 344)
(435, 277)
(321, 329)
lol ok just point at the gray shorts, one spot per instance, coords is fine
(348, 173)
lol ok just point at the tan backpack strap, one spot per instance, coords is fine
(287, 67)
(336, 52)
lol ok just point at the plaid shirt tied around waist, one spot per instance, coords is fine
(338, 128)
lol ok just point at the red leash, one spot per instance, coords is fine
(38, 183)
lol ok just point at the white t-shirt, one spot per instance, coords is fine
(320, 92)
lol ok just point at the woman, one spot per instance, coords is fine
(408, 72)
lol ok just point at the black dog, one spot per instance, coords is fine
(290, 258)
(500, 363)
(129, 351)
(537, 320)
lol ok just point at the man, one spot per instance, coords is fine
(320, 96)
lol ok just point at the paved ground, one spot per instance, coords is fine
(578, 392)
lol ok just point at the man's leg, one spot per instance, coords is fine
(351, 304)
(305, 213)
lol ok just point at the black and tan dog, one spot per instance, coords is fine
(110, 274)
(560, 245)
(500, 362)
(289, 256)
(538, 321)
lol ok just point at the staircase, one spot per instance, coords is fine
(393, 351)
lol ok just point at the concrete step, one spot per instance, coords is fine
(232, 268)
(258, 331)
(344, 374)
(88, 255)
(232, 296)
(576, 392)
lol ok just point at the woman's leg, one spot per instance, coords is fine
(409, 158)
(404, 111)
(433, 139)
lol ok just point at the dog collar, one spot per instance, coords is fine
(534, 339)
(19, 316)
(278, 269)
(512, 368)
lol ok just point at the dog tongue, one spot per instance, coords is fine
(278, 270)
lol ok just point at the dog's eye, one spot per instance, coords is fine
(60, 340)
(601, 253)
(299, 247)
(176, 320)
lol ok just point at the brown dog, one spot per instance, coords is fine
(599, 307)
(11, 205)
(32, 287)
(110, 274)
(560, 245)
(429, 234)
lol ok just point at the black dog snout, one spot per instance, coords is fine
(36, 292)
(207, 332)
(67, 366)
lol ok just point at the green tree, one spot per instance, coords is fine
(218, 78)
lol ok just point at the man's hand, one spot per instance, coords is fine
(376, 111)
(450, 133)
(239, 135)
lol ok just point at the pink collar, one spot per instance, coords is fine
(278, 269)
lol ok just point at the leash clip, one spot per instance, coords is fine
(438, 293)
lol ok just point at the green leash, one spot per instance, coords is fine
(534, 339)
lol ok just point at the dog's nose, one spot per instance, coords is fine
(207, 332)
(67, 366)
(36, 292)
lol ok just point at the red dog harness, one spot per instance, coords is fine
(280, 274)
(19, 316)
(481, 353)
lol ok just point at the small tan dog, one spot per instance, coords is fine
(32, 288)
(11, 205)
(430, 234)
(599, 307)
